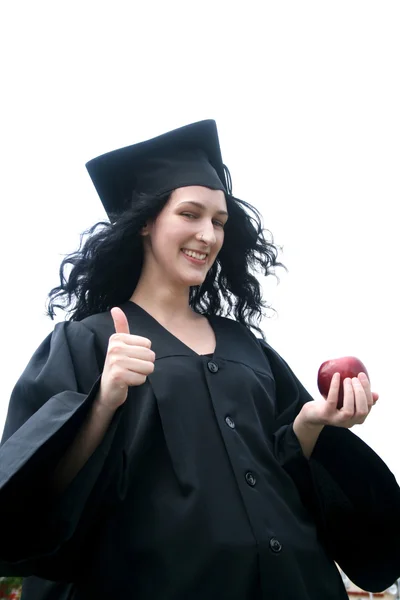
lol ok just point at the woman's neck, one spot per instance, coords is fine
(163, 303)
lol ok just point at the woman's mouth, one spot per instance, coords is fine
(198, 258)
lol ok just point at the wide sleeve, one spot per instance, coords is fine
(352, 495)
(48, 406)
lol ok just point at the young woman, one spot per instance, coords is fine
(155, 447)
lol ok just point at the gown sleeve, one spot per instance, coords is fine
(42, 533)
(352, 495)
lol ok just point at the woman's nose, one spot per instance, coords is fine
(207, 234)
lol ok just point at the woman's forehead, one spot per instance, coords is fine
(196, 193)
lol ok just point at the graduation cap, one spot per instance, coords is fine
(190, 155)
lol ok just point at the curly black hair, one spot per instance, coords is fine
(105, 270)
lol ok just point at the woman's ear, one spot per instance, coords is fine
(145, 230)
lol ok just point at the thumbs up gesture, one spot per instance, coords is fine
(129, 361)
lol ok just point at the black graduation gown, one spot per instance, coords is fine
(199, 488)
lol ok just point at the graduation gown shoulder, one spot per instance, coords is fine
(48, 404)
(352, 494)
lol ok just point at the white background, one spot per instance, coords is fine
(306, 96)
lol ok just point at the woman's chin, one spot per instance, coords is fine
(193, 281)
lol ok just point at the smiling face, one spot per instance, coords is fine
(181, 245)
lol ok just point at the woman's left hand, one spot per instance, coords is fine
(358, 401)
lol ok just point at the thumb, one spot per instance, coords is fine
(120, 321)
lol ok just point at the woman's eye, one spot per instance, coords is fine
(192, 216)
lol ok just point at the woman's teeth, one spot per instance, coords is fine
(197, 255)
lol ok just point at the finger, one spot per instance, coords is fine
(333, 394)
(362, 407)
(121, 350)
(131, 340)
(375, 397)
(134, 379)
(362, 377)
(135, 365)
(120, 321)
(348, 408)
(141, 352)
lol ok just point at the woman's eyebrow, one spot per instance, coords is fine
(202, 206)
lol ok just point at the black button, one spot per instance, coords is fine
(230, 423)
(251, 480)
(212, 366)
(275, 545)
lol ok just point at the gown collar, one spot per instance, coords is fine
(164, 343)
(227, 334)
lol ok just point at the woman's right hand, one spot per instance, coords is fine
(129, 361)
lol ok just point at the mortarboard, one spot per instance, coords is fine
(190, 155)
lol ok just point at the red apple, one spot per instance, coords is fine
(347, 366)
